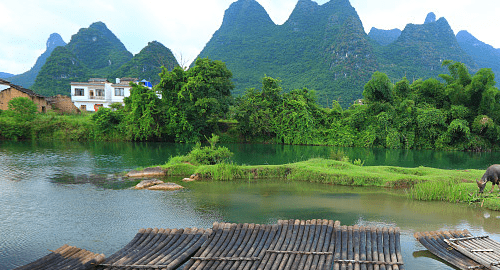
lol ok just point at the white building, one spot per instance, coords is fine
(98, 92)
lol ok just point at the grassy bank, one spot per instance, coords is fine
(420, 183)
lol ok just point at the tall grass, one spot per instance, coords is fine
(449, 190)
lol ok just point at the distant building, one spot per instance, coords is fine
(98, 92)
(9, 91)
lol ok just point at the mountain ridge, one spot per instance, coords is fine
(321, 47)
(96, 52)
(291, 51)
(483, 54)
(27, 79)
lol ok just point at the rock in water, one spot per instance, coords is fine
(148, 172)
(193, 177)
(148, 183)
(166, 186)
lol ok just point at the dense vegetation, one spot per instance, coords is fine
(147, 63)
(459, 112)
(62, 68)
(384, 37)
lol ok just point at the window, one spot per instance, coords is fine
(119, 92)
(99, 92)
(79, 91)
(83, 107)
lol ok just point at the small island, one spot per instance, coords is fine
(422, 183)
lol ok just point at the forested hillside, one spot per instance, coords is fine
(61, 68)
(483, 54)
(96, 52)
(324, 47)
(420, 51)
(147, 63)
(384, 37)
(320, 47)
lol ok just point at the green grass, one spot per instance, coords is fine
(331, 172)
(420, 183)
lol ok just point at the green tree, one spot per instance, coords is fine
(257, 110)
(195, 99)
(433, 92)
(108, 121)
(144, 116)
(379, 88)
(296, 122)
(23, 108)
(402, 89)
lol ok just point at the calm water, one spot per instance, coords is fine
(40, 214)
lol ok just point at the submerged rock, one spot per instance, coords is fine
(148, 183)
(148, 172)
(166, 186)
(193, 177)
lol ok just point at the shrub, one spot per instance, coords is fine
(206, 155)
(24, 108)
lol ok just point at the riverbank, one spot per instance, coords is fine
(422, 183)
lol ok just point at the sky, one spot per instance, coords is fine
(185, 26)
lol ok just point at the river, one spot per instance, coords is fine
(40, 212)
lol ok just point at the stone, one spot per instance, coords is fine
(148, 172)
(193, 177)
(166, 186)
(148, 183)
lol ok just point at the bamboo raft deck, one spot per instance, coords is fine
(158, 249)
(437, 243)
(66, 257)
(289, 244)
(480, 248)
(299, 244)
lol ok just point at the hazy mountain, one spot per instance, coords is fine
(5, 75)
(320, 47)
(431, 17)
(27, 79)
(147, 63)
(384, 37)
(483, 54)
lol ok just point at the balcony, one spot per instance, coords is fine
(97, 97)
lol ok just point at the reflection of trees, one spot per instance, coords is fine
(257, 154)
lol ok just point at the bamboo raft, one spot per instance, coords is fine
(437, 242)
(158, 249)
(289, 244)
(66, 257)
(299, 244)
